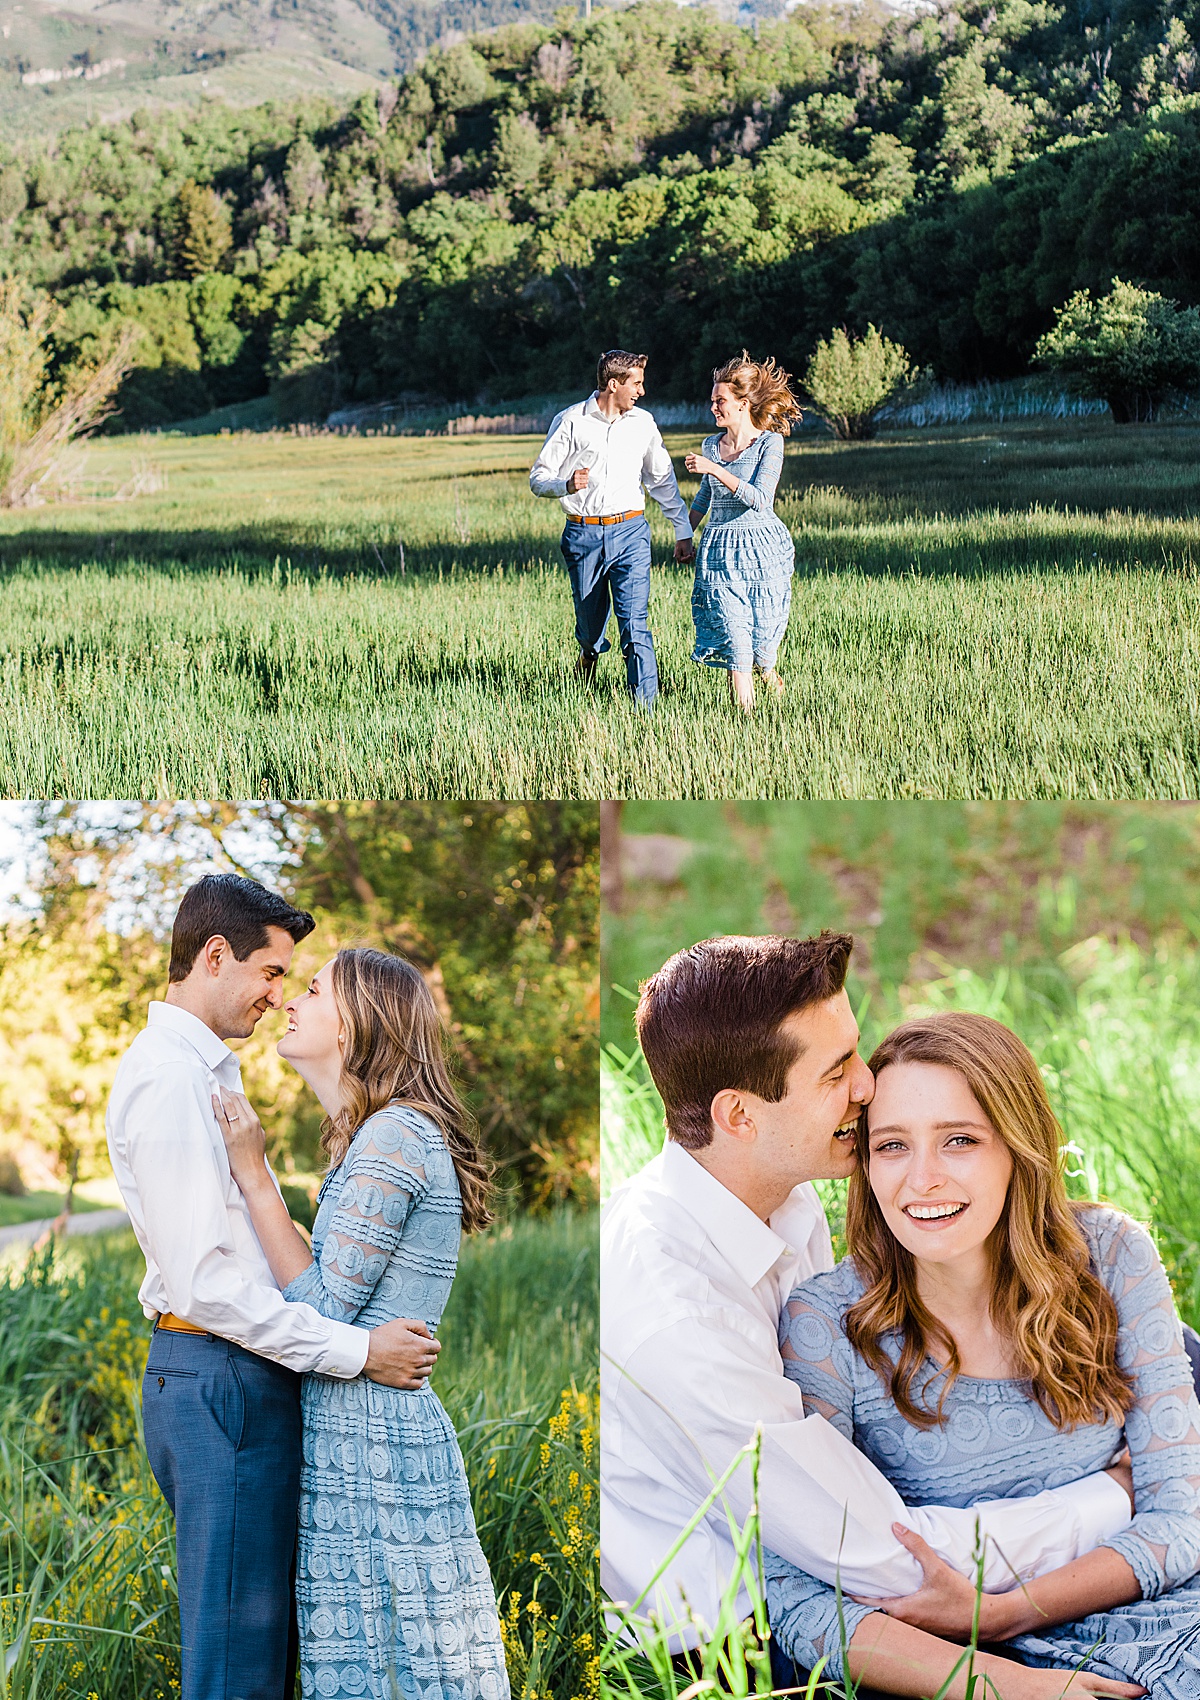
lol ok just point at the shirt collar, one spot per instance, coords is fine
(748, 1244)
(212, 1050)
(591, 407)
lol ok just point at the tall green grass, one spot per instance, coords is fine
(977, 613)
(88, 1605)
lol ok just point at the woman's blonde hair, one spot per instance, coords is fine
(394, 1052)
(768, 389)
(1046, 1300)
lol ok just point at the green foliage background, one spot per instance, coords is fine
(656, 177)
(496, 903)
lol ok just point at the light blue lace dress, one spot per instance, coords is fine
(744, 562)
(994, 1442)
(394, 1597)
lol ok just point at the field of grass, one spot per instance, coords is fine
(87, 1576)
(980, 611)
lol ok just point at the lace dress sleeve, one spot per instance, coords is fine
(758, 491)
(803, 1612)
(381, 1180)
(1162, 1543)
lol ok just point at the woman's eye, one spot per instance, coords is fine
(887, 1147)
(962, 1139)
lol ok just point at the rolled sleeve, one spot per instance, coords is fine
(545, 476)
(169, 1150)
(658, 477)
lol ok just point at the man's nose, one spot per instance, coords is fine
(862, 1087)
(275, 995)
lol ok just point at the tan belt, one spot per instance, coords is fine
(606, 519)
(176, 1325)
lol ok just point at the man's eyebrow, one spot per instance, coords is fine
(841, 1061)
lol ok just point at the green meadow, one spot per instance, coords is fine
(979, 611)
(88, 1607)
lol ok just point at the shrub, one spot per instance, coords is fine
(1131, 348)
(852, 382)
(40, 416)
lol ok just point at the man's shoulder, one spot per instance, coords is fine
(574, 411)
(158, 1053)
(647, 1234)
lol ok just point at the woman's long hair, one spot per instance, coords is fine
(768, 389)
(1046, 1301)
(395, 1053)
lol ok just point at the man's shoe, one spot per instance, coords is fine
(585, 666)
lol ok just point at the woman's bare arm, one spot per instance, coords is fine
(902, 1660)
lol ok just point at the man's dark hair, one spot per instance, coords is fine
(237, 909)
(710, 1020)
(617, 363)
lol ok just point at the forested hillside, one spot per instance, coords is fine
(654, 177)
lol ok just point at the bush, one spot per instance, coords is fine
(11, 1184)
(852, 382)
(41, 416)
(1131, 348)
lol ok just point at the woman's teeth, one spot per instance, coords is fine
(932, 1212)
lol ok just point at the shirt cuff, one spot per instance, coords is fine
(346, 1355)
(683, 532)
(1101, 1508)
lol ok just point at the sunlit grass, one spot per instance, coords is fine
(87, 1567)
(975, 615)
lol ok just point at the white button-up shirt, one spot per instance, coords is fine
(692, 1286)
(203, 1259)
(622, 455)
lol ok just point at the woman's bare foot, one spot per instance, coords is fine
(773, 682)
(741, 687)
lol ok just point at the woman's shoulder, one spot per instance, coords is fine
(1115, 1240)
(832, 1292)
(405, 1134)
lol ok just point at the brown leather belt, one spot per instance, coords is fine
(606, 519)
(176, 1325)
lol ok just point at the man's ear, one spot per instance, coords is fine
(731, 1115)
(216, 949)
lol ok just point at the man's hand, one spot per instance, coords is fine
(401, 1354)
(685, 549)
(577, 481)
(945, 1602)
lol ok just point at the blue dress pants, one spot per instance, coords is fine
(606, 561)
(223, 1436)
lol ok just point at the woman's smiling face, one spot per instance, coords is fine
(314, 1025)
(937, 1167)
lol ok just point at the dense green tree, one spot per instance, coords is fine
(654, 175)
(204, 236)
(1132, 348)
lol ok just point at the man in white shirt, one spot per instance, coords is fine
(598, 458)
(753, 1047)
(221, 1392)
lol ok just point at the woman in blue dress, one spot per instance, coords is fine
(744, 564)
(988, 1338)
(394, 1598)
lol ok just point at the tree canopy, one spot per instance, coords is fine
(496, 903)
(653, 176)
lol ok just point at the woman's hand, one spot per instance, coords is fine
(244, 1138)
(945, 1602)
(698, 463)
(1007, 1680)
